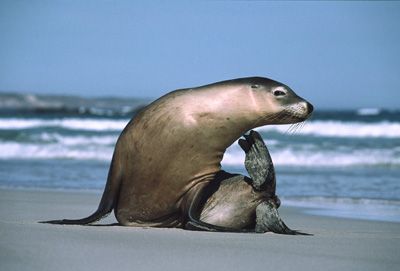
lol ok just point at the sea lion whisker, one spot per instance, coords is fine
(303, 123)
(296, 128)
(288, 131)
(271, 118)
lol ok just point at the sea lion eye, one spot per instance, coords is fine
(254, 86)
(279, 93)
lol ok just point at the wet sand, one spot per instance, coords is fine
(337, 244)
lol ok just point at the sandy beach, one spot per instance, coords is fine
(337, 244)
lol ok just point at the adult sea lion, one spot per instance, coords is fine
(171, 151)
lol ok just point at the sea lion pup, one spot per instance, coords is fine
(171, 150)
(240, 203)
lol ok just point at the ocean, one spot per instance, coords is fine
(339, 163)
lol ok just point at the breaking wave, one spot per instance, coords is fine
(66, 123)
(100, 147)
(312, 128)
(311, 157)
(342, 129)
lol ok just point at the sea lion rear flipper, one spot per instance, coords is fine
(258, 162)
(268, 219)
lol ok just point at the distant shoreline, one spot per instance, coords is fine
(58, 99)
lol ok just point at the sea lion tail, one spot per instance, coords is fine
(107, 202)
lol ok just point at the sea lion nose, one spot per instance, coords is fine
(310, 108)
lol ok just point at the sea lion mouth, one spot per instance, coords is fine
(290, 117)
(286, 116)
(296, 113)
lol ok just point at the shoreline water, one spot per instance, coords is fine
(336, 244)
(338, 196)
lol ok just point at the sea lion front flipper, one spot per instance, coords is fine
(258, 162)
(268, 219)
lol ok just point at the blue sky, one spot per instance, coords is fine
(335, 54)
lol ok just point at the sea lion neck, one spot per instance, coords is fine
(233, 111)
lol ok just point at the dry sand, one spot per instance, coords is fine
(337, 244)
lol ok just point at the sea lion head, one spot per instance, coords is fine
(279, 103)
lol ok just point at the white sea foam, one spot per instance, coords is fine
(12, 150)
(342, 129)
(361, 208)
(315, 201)
(313, 128)
(70, 140)
(67, 123)
(57, 146)
(309, 156)
(368, 111)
